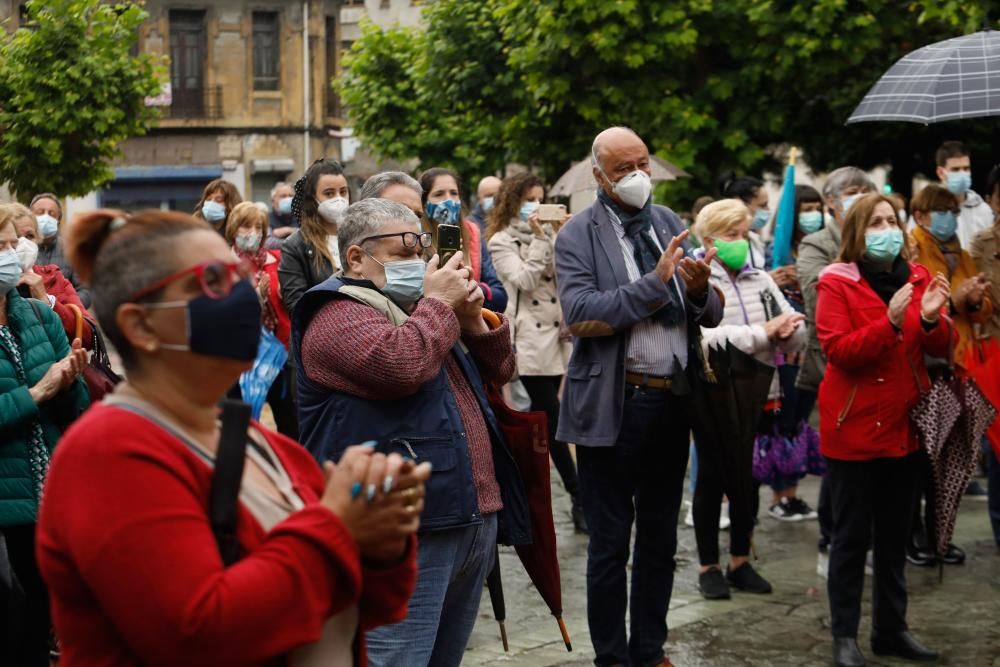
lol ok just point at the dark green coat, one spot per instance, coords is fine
(43, 342)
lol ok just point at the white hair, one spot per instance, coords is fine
(367, 218)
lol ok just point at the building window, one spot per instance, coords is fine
(187, 63)
(352, 3)
(266, 51)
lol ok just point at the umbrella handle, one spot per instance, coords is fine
(503, 636)
(565, 634)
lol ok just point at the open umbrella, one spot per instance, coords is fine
(949, 80)
(580, 177)
(256, 382)
(527, 437)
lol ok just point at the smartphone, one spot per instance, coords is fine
(449, 241)
(551, 213)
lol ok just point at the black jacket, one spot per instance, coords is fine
(297, 271)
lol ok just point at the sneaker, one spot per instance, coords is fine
(784, 511)
(747, 580)
(713, 585)
(975, 491)
(802, 508)
(823, 565)
(689, 519)
(724, 517)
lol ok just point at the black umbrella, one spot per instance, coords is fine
(949, 80)
(495, 584)
(729, 389)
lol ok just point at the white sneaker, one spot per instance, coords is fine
(689, 519)
(823, 565)
(724, 517)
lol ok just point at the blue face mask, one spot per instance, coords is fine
(943, 225)
(487, 203)
(285, 206)
(884, 246)
(959, 182)
(10, 270)
(847, 202)
(810, 221)
(527, 208)
(213, 211)
(444, 212)
(760, 219)
(47, 225)
(404, 280)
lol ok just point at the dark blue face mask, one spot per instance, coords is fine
(228, 327)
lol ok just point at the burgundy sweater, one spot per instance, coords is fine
(352, 348)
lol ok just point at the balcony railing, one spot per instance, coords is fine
(203, 103)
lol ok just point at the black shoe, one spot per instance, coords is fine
(579, 521)
(953, 555)
(713, 585)
(902, 645)
(746, 579)
(919, 557)
(846, 652)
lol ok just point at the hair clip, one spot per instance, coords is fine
(117, 224)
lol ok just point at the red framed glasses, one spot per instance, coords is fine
(215, 278)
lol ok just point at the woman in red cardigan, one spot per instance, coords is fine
(124, 540)
(876, 316)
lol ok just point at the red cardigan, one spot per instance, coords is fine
(869, 388)
(135, 576)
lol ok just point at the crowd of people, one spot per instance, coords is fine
(368, 520)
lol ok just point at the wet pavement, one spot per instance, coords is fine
(959, 617)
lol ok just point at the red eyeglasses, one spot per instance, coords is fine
(215, 278)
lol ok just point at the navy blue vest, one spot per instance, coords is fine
(426, 426)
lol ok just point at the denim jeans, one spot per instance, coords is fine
(452, 566)
(642, 478)
(993, 488)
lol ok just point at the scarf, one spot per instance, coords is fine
(258, 260)
(885, 283)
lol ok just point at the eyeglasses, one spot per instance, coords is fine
(215, 278)
(410, 239)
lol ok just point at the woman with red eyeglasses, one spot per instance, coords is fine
(124, 539)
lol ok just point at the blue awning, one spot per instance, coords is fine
(169, 173)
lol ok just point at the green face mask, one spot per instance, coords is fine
(733, 253)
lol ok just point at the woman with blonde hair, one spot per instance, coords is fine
(749, 325)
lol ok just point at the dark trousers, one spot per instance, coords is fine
(825, 513)
(993, 488)
(923, 531)
(30, 645)
(640, 478)
(707, 506)
(544, 393)
(871, 502)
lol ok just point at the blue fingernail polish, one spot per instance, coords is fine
(369, 443)
(430, 466)
(355, 490)
(387, 485)
(371, 492)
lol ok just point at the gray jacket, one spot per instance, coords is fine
(600, 305)
(816, 252)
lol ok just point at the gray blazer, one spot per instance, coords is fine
(600, 305)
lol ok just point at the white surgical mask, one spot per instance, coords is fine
(27, 253)
(47, 225)
(332, 210)
(633, 188)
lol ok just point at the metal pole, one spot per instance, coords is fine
(306, 157)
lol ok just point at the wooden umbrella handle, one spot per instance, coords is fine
(79, 319)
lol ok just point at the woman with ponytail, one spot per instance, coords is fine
(124, 538)
(310, 255)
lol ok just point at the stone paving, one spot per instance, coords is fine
(790, 627)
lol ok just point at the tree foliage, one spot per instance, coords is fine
(70, 92)
(714, 86)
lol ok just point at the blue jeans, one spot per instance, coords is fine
(993, 488)
(452, 566)
(640, 478)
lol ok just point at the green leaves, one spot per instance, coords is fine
(70, 92)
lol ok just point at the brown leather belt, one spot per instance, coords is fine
(648, 381)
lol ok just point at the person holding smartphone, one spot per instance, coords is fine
(522, 249)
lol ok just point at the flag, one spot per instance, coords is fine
(784, 222)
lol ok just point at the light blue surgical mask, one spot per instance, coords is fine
(487, 203)
(943, 225)
(10, 270)
(527, 208)
(884, 246)
(959, 182)
(810, 221)
(445, 212)
(47, 225)
(760, 219)
(285, 206)
(404, 280)
(847, 202)
(213, 211)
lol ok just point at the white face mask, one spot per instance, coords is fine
(633, 189)
(332, 210)
(27, 253)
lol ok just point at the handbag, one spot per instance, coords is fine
(98, 375)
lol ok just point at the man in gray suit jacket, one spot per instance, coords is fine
(633, 299)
